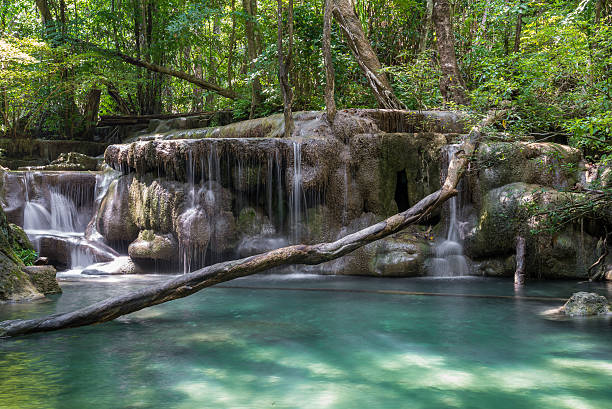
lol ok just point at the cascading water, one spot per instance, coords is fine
(56, 212)
(449, 259)
(296, 193)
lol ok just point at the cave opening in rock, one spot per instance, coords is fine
(401, 191)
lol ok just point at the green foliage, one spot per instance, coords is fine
(27, 256)
(416, 83)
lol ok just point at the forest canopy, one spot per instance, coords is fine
(548, 62)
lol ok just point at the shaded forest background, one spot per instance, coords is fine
(64, 62)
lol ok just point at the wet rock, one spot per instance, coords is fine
(495, 267)
(152, 246)
(20, 238)
(120, 265)
(193, 229)
(401, 255)
(156, 204)
(508, 211)
(114, 220)
(384, 164)
(43, 278)
(14, 283)
(252, 245)
(584, 303)
(72, 161)
(546, 164)
(41, 261)
(251, 222)
(224, 232)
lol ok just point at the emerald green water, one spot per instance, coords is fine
(258, 348)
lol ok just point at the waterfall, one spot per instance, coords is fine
(296, 193)
(57, 210)
(449, 260)
(64, 214)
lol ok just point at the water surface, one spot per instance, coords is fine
(261, 348)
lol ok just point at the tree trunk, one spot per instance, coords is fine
(45, 12)
(91, 107)
(284, 65)
(517, 32)
(599, 6)
(451, 82)
(519, 274)
(232, 40)
(250, 9)
(345, 15)
(190, 283)
(330, 103)
(426, 28)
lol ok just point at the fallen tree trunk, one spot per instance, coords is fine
(190, 283)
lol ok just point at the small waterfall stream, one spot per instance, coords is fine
(449, 260)
(56, 213)
(296, 193)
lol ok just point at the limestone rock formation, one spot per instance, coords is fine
(584, 303)
(43, 278)
(152, 246)
(14, 283)
(72, 161)
(508, 211)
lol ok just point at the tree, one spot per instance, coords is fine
(330, 103)
(250, 8)
(345, 15)
(284, 64)
(452, 86)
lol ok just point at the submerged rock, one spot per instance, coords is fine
(583, 303)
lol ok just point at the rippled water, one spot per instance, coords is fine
(261, 348)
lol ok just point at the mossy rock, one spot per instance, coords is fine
(152, 246)
(20, 238)
(546, 164)
(583, 303)
(14, 283)
(43, 279)
(520, 209)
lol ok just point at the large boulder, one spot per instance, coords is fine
(43, 278)
(156, 204)
(152, 246)
(584, 303)
(113, 220)
(392, 168)
(14, 283)
(20, 238)
(521, 209)
(546, 164)
(400, 255)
